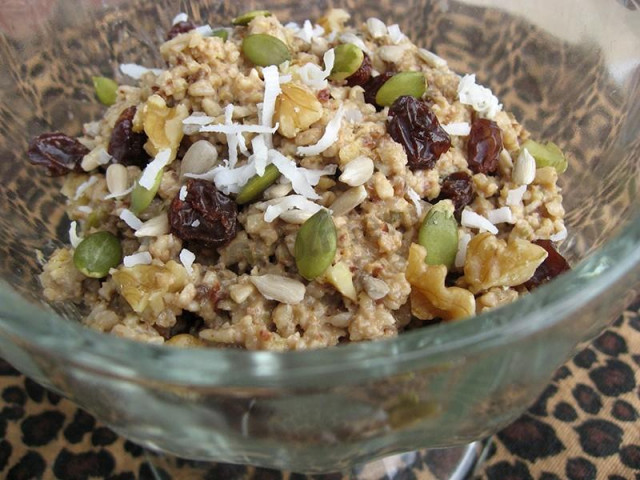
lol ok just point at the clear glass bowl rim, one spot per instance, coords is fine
(44, 331)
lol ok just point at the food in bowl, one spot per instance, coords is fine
(292, 187)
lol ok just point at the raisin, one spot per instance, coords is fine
(484, 146)
(125, 145)
(413, 125)
(373, 85)
(553, 265)
(458, 187)
(187, 322)
(57, 152)
(205, 216)
(180, 27)
(361, 76)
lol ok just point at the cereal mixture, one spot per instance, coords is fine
(298, 186)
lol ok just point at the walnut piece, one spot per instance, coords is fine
(492, 262)
(163, 125)
(296, 110)
(430, 298)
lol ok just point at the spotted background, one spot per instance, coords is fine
(585, 426)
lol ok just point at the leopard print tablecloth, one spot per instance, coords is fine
(585, 426)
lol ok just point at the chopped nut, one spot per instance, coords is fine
(185, 340)
(279, 288)
(492, 262)
(430, 298)
(375, 288)
(296, 109)
(524, 169)
(200, 158)
(117, 178)
(154, 227)
(383, 186)
(334, 20)
(240, 292)
(163, 125)
(357, 171)
(340, 277)
(348, 200)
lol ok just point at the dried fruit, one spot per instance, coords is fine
(57, 152)
(258, 184)
(106, 90)
(97, 254)
(125, 145)
(439, 234)
(246, 18)
(163, 125)
(179, 28)
(414, 126)
(373, 85)
(458, 187)
(484, 146)
(401, 84)
(492, 262)
(316, 245)
(348, 59)
(547, 155)
(361, 76)
(553, 265)
(296, 109)
(263, 50)
(206, 215)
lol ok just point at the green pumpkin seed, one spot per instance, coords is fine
(316, 245)
(245, 18)
(264, 50)
(258, 184)
(347, 61)
(106, 90)
(221, 33)
(547, 155)
(97, 254)
(439, 234)
(401, 84)
(141, 197)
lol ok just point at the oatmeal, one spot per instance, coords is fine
(293, 187)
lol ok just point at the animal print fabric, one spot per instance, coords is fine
(584, 426)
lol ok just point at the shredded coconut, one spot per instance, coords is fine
(313, 76)
(204, 30)
(130, 219)
(187, 258)
(260, 153)
(271, 92)
(308, 31)
(353, 115)
(153, 168)
(415, 198)
(195, 223)
(329, 137)
(83, 187)
(278, 206)
(460, 129)
(395, 34)
(197, 118)
(182, 194)
(472, 220)
(84, 209)
(480, 98)
(228, 180)
(136, 71)
(119, 194)
(302, 179)
(140, 258)
(431, 58)
(232, 138)
(514, 196)
(356, 40)
(181, 17)
(558, 237)
(500, 215)
(461, 255)
(376, 27)
(102, 156)
(74, 239)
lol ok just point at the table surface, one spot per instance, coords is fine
(586, 425)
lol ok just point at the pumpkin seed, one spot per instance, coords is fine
(141, 197)
(439, 234)
(547, 155)
(221, 33)
(316, 245)
(97, 254)
(106, 90)
(246, 18)
(348, 59)
(258, 184)
(401, 84)
(264, 50)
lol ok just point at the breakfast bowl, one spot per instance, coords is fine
(570, 73)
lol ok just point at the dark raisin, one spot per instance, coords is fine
(373, 85)
(125, 145)
(206, 215)
(458, 187)
(180, 27)
(187, 322)
(57, 152)
(553, 265)
(413, 125)
(362, 75)
(484, 146)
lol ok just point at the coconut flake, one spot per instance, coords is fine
(472, 220)
(130, 219)
(121, 194)
(228, 180)
(308, 31)
(459, 129)
(279, 288)
(302, 179)
(153, 168)
(140, 258)
(561, 235)
(272, 89)
(313, 76)
(232, 138)
(84, 209)
(181, 17)
(204, 30)
(329, 137)
(235, 128)
(195, 223)
(415, 199)
(480, 98)
(260, 153)
(500, 215)
(431, 58)
(278, 206)
(187, 258)
(461, 254)
(395, 34)
(514, 196)
(197, 118)
(376, 27)
(182, 194)
(74, 239)
(83, 187)
(353, 115)
(356, 40)
(136, 71)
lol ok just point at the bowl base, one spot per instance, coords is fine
(454, 463)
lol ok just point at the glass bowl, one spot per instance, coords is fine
(568, 70)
